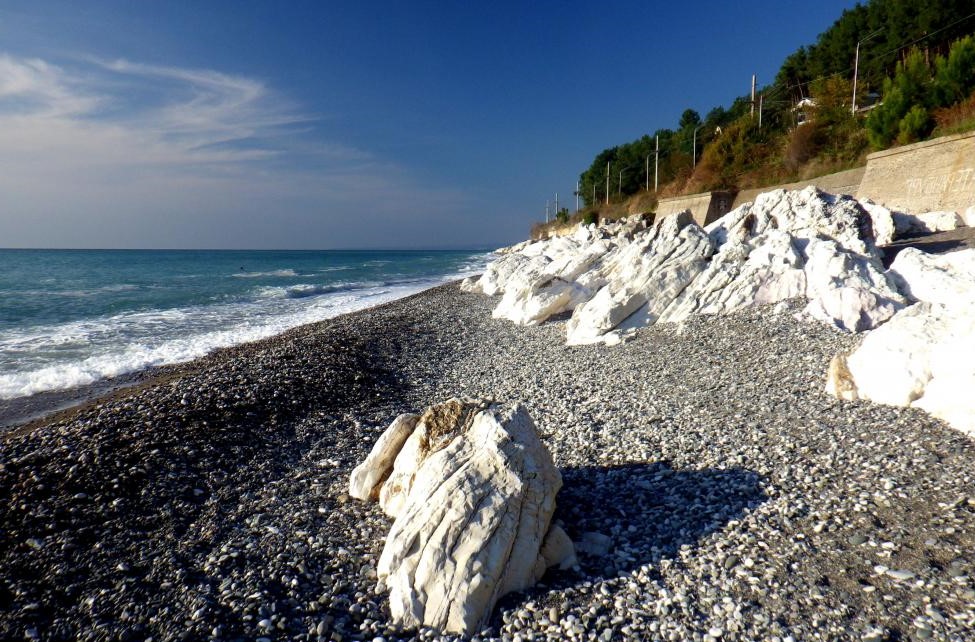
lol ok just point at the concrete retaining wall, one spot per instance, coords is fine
(925, 177)
(704, 207)
(934, 175)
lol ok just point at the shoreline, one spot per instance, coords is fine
(21, 412)
(26, 413)
(735, 493)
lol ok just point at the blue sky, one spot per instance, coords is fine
(245, 124)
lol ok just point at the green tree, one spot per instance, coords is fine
(954, 77)
(910, 86)
(689, 119)
(915, 125)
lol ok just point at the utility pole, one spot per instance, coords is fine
(546, 211)
(753, 95)
(607, 182)
(556, 203)
(694, 154)
(577, 196)
(856, 68)
(594, 194)
(761, 101)
(656, 164)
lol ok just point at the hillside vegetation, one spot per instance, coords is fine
(916, 79)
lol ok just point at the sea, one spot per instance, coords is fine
(70, 318)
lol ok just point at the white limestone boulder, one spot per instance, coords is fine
(807, 213)
(368, 477)
(910, 225)
(643, 279)
(793, 244)
(498, 272)
(968, 218)
(847, 289)
(473, 492)
(435, 427)
(766, 269)
(882, 220)
(935, 278)
(472, 285)
(623, 275)
(532, 302)
(919, 358)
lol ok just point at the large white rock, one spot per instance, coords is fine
(792, 244)
(807, 213)
(968, 218)
(498, 272)
(621, 276)
(935, 278)
(436, 426)
(530, 302)
(472, 285)
(882, 220)
(473, 492)
(766, 269)
(644, 278)
(368, 477)
(919, 358)
(909, 225)
(847, 289)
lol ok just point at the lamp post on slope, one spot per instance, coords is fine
(694, 153)
(619, 188)
(856, 69)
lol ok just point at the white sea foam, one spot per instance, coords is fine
(257, 275)
(80, 353)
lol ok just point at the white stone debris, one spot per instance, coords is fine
(922, 356)
(908, 225)
(472, 491)
(968, 218)
(936, 278)
(626, 275)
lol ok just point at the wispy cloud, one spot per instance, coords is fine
(32, 87)
(163, 115)
(100, 142)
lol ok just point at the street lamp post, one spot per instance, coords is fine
(856, 68)
(694, 153)
(619, 188)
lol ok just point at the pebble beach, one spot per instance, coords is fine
(720, 493)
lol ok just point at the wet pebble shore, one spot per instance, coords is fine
(721, 494)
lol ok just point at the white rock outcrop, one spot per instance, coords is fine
(643, 279)
(368, 477)
(920, 358)
(909, 225)
(968, 218)
(473, 492)
(948, 279)
(882, 220)
(627, 275)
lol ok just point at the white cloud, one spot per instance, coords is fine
(117, 153)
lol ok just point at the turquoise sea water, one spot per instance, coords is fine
(73, 317)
